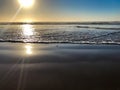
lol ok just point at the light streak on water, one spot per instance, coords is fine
(11, 20)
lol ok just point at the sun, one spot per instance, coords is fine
(26, 3)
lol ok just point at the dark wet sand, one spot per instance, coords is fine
(59, 67)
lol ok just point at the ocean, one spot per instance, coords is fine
(87, 57)
(61, 33)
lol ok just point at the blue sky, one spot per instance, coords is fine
(93, 6)
(64, 10)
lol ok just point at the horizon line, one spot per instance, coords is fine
(86, 22)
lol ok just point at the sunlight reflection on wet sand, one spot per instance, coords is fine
(28, 49)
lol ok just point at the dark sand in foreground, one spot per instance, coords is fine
(59, 67)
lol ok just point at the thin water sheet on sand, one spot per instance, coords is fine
(59, 66)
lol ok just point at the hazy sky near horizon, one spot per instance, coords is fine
(62, 10)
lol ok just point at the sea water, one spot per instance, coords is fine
(68, 33)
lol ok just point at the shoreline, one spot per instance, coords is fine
(92, 43)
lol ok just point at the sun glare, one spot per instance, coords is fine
(27, 30)
(26, 3)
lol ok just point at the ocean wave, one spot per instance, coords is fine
(105, 28)
(62, 42)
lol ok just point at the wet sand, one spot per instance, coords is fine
(59, 67)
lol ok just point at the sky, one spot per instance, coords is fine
(61, 10)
